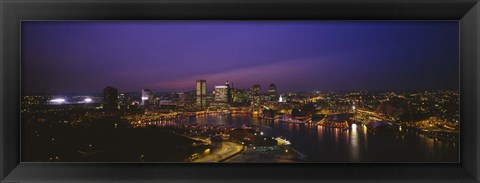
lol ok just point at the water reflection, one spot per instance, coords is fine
(336, 135)
(364, 127)
(320, 134)
(354, 143)
(322, 144)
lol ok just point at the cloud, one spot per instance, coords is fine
(244, 77)
(300, 74)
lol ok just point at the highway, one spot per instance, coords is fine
(228, 149)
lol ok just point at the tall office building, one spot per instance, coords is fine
(110, 98)
(255, 97)
(221, 94)
(201, 94)
(256, 89)
(272, 92)
(123, 102)
(229, 92)
(147, 98)
(240, 96)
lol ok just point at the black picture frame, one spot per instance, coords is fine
(467, 12)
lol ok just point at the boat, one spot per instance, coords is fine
(245, 127)
(282, 141)
(290, 120)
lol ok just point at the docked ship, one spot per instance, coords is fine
(245, 127)
(287, 119)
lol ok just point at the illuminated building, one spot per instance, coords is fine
(281, 99)
(220, 98)
(201, 94)
(187, 100)
(147, 98)
(123, 102)
(240, 97)
(354, 108)
(256, 90)
(110, 98)
(272, 92)
(221, 94)
(57, 101)
(229, 92)
(167, 105)
(255, 97)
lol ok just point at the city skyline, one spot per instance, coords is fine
(240, 91)
(170, 56)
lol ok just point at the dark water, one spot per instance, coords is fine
(357, 144)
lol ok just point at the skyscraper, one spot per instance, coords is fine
(229, 92)
(123, 102)
(221, 94)
(201, 94)
(240, 97)
(147, 98)
(255, 97)
(110, 98)
(272, 92)
(256, 90)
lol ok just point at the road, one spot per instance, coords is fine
(228, 149)
(371, 113)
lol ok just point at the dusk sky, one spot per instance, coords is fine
(83, 56)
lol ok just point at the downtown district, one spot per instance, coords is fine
(168, 127)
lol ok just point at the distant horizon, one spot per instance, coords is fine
(297, 56)
(209, 91)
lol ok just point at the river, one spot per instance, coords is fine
(356, 144)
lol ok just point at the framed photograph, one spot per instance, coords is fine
(239, 91)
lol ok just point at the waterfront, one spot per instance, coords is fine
(357, 144)
(312, 127)
(240, 92)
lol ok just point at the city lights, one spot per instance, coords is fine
(354, 126)
(57, 100)
(222, 128)
(337, 93)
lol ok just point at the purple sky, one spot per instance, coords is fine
(60, 57)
